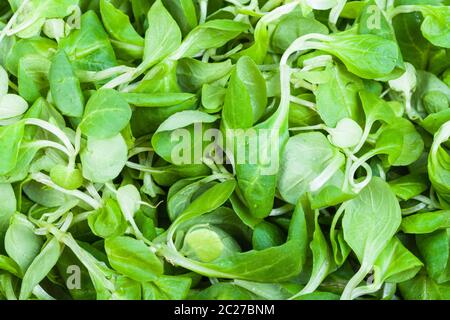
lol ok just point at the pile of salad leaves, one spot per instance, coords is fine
(93, 205)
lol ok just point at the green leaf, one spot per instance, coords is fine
(367, 56)
(12, 106)
(323, 263)
(127, 289)
(414, 47)
(33, 77)
(9, 265)
(421, 288)
(212, 34)
(293, 26)
(211, 199)
(41, 47)
(179, 140)
(184, 12)
(97, 167)
(107, 113)
(256, 154)
(266, 235)
(370, 220)
(426, 222)
(436, 24)
(8, 206)
(133, 258)
(409, 186)
(118, 26)
(174, 287)
(193, 74)
(245, 99)
(10, 139)
(396, 263)
(162, 37)
(224, 291)
(269, 265)
(435, 250)
(40, 267)
(21, 243)
(372, 20)
(338, 97)
(108, 221)
(299, 174)
(426, 83)
(89, 47)
(65, 87)
(401, 143)
(439, 164)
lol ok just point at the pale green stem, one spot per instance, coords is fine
(357, 278)
(45, 180)
(281, 210)
(13, 19)
(54, 130)
(364, 136)
(361, 162)
(41, 294)
(326, 174)
(309, 128)
(335, 12)
(364, 290)
(227, 54)
(93, 192)
(47, 144)
(135, 151)
(404, 9)
(142, 168)
(94, 76)
(303, 102)
(203, 10)
(315, 281)
(413, 209)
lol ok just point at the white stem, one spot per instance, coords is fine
(54, 130)
(316, 62)
(309, 128)
(93, 192)
(336, 11)
(414, 209)
(403, 9)
(120, 80)
(281, 210)
(203, 11)
(45, 180)
(93, 76)
(357, 278)
(302, 102)
(364, 136)
(138, 150)
(326, 174)
(361, 291)
(361, 162)
(48, 144)
(142, 168)
(314, 281)
(12, 20)
(40, 293)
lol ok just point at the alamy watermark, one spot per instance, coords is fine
(73, 281)
(230, 146)
(374, 19)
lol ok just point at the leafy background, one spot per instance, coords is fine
(93, 204)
